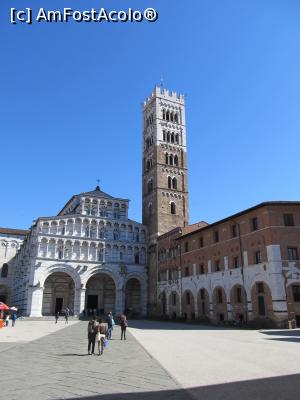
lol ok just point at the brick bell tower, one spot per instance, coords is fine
(165, 185)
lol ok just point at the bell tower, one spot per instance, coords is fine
(165, 186)
(165, 183)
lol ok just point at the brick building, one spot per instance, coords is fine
(244, 268)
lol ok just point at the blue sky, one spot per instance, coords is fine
(70, 103)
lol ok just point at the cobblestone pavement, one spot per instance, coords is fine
(57, 367)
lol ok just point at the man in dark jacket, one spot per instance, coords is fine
(109, 321)
(92, 331)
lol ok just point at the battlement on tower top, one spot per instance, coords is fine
(165, 94)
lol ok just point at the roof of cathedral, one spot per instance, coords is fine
(97, 193)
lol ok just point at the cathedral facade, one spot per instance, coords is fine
(90, 258)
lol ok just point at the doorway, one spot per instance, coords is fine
(92, 301)
(58, 304)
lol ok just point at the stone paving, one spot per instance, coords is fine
(159, 361)
(57, 366)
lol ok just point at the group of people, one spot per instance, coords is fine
(7, 317)
(100, 331)
(66, 314)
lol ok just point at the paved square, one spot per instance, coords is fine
(158, 361)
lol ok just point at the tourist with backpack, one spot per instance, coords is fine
(92, 331)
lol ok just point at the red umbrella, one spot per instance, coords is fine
(3, 306)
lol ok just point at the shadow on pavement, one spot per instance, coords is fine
(278, 388)
(283, 333)
(286, 339)
(176, 325)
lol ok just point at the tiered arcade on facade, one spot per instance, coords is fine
(90, 258)
(244, 268)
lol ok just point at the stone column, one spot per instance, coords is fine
(120, 300)
(35, 301)
(196, 305)
(229, 311)
(79, 301)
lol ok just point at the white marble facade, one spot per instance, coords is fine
(90, 257)
(10, 242)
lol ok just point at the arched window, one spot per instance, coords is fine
(150, 210)
(172, 117)
(100, 254)
(172, 138)
(116, 234)
(176, 161)
(136, 257)
(60, 252)
(101, 233)
(176, 138)
(169, 182)
(171, 159)
(174, 183)
(173, 208)
(4, 271)
(176, 118)
(168, 137)
(164, 113)
(167, 158)
(167, 116)
(164, 136)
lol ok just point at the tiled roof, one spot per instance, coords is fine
(10, 231)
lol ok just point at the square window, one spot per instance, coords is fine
(217, 266)
(235, 262)
(288, 219)
(234, 231)
(201, 243)
(186, 247)
(254, 224)
(293, 254)
(216, 236)
(201, 267)
(258, 258)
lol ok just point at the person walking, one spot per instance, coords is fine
(56, 316)
(101, 335)
(7, 320)
(13, 319)
(124, 325)
(67, 314)
(92, 330)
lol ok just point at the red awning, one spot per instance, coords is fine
(3, 306)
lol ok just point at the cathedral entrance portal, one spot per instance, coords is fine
(58, 293)
(100, 295)
(133, 298)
